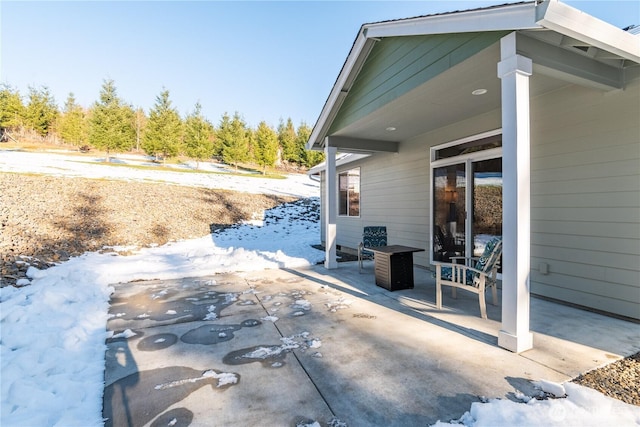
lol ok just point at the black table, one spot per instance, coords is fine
(394, 266)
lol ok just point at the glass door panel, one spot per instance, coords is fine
(449, 183)
(487, 203)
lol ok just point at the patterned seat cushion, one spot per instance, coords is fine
(485, 263)
(374, 236)
(447, 274)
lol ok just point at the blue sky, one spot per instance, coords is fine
(265, 60)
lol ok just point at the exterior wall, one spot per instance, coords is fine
(585, 186)
(585, 217)
(396, 189)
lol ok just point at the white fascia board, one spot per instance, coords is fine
(508, 17)
(359, 52)
(503, 18)
(341, 160)
(574, 23)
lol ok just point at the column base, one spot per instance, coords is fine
(514, 343)
(330, 265)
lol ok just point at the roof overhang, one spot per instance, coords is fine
(549, 22)
(341, 160)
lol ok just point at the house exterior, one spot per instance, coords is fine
(520, 120)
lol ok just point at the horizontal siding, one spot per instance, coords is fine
(624, 199)
(585, 185)
(394, 192)
(590, 214)
(585, 255)
(598, 229)
(579, 297)
(596, 288)
(598, 273)
(615, 246)
(585, 198)
(619, 161)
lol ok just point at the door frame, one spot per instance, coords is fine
(467, 160)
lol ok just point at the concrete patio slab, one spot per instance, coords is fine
(292, 347)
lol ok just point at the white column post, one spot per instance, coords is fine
(331, 206)
(514, 71)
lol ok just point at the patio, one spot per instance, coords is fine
(386, 358)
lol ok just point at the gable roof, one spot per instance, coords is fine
(578, 31)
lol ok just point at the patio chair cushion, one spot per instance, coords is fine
(485, 262)
(447, 274)
(489, 256)
(373, 236)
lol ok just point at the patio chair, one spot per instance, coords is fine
(372, 236)
(477, 278)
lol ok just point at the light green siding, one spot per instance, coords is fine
(396, 188)
(397, 65)
(585, 197)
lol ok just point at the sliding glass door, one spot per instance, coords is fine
(449, 211)
(486, 202)
(467, 196)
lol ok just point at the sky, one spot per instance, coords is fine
(267, 60)
(53, 330)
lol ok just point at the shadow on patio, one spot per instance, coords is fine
(569, 340)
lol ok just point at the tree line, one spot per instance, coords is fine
(113, 126)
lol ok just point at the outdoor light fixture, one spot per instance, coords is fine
(390, 129)
(450, 196)
(479, 92)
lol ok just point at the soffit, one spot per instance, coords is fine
(443, 100)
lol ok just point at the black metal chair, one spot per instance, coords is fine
(372, 237)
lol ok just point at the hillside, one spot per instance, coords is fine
(47, 219)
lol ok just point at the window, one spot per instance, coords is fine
(349, 192)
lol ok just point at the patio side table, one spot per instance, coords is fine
(394, 266)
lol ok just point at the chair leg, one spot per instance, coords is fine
(483, 305)
(438, 289)
(494, 294)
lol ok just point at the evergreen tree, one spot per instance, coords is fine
(140, 123)
(110, 122)
(310, 158)
(287, 140)
(72, 124)
(234, 138)
(223, 134)
(198, 136)
(266, 151)
(11, 108)
(41, 111)
(163, 132)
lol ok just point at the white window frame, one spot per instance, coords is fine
(346, 172)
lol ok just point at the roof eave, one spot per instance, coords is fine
(579, 25)
(359, 53)
(507, 17)
(550, 14)
(500, 18)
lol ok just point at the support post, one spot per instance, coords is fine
(514, 71)
(331, 206)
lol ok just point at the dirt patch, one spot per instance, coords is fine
(45, 220)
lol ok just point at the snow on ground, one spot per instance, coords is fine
(53, 331)
(56, 164)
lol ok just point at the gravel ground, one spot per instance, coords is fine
(45, 220)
